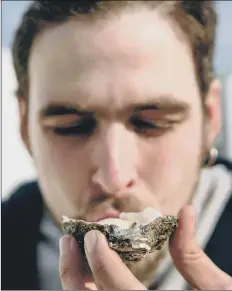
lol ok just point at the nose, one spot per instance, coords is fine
(114, 157)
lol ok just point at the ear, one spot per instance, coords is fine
(23, 115)
(213, 113)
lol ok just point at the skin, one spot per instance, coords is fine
(187, 256)
(121, 77)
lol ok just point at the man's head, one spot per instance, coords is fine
(118, 102)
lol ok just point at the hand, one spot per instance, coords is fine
(193, 264)
(110, 273)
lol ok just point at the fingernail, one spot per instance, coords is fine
(91, 241)
(64, 244)
(171, 237)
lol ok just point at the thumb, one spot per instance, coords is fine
(191, 261)
(72, 268)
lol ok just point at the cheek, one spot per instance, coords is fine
(63, 160)
(63, 173)
(172, 164)
(180, 148)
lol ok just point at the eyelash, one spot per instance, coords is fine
(145, 127)
(87, 127)
(140, 123)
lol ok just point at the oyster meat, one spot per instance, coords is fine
(132, 235)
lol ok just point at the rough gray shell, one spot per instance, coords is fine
(131, 244)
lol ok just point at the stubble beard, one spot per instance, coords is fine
(146, 270)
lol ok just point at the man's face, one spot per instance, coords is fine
(114, 119)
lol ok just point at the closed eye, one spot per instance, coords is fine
(144, 126)
(84, 127)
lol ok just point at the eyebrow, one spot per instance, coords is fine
(165, 103)
(54, 109)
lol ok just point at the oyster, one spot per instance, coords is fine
(132, 236)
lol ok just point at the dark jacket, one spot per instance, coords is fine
(21, 216)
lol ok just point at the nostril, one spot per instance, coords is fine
(130, 184)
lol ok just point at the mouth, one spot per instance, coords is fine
(132, 239)
(104, 215)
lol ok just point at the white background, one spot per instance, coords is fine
(16, 163)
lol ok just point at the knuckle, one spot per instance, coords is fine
(64, 274)
(99, 267)
(64, 271)
(192, 256)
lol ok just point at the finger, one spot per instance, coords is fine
(107, 267)
(71, 266)
(194, 265)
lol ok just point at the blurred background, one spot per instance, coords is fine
(16, 163)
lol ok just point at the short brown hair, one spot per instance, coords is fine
(196, 19)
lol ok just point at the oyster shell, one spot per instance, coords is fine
(132, 236)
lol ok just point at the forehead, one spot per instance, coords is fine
(109, 63)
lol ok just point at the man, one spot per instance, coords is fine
(119, 110)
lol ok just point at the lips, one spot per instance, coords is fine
(104, 215)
